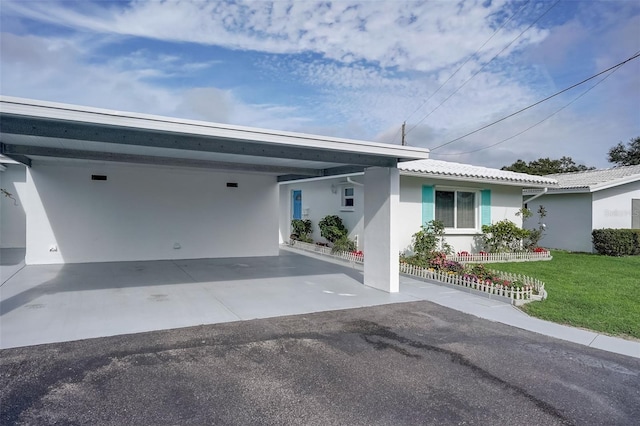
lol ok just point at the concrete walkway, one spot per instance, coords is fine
(505, 313)
(55, 303)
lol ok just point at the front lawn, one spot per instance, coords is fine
(600, 293)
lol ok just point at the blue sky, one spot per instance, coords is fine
(346, 69)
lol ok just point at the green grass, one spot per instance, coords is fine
(600, 293)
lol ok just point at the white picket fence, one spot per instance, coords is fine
(525, 256)
(351, 257)
(533, 289)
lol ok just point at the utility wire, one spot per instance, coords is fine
(483, 67)
(635, 56)
(468, 59)
(536, 124)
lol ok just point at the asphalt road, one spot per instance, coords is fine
(409, 363)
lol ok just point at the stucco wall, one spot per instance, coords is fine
(506, 201)
(12, 213)
(141, 212)
(568, 221)
(320, 201)
(612, 207)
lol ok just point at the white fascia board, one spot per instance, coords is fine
(314, 179)
(613, 183)
(97, 116)
(553, 191)
(475, 179)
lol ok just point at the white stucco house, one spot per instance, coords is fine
(463, 196)
(95, 185)
(584, 201)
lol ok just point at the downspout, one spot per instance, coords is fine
(353, 182)
(544, 191)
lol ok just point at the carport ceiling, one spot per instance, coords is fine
(32, 129)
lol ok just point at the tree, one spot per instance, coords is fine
(621, 155)
(547, 166)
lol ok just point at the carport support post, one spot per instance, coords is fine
(381, 205)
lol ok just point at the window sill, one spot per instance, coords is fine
(455, 231)
(347, 209)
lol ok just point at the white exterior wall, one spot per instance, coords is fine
(318, 201)
(506, 201)
(140, 212)
(12, 212)
(568, 221)
(612, 207)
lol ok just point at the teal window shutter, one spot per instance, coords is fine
(485, 207)
(428, 206)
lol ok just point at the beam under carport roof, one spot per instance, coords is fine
(26, 152)
(37, 128)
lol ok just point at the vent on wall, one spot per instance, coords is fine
(98, 177)
(232, 184)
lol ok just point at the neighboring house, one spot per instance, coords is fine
(584, 201)
(463, 196)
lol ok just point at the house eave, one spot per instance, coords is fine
(477, 179)
(552, 191)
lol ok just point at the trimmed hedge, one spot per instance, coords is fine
(617, 242)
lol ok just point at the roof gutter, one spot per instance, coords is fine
(544, 191)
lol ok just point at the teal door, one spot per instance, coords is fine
(296, 203)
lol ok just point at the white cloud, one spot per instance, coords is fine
(421, 36)
(55, 69)
(369, 66)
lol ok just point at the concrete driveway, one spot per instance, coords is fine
(56, 303)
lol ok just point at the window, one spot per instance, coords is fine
(456, 209)
(348, 198)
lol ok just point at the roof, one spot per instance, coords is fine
(39, 129)
(595, 180)
(468, 172)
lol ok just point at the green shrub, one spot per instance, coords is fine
(302, 230)
(332, 228)
(343, 244)
(430, 239)
(616, 242)
(504, 236)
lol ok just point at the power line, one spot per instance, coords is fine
(483, 66)
(536, 124)
(636, 55)
(468, 59)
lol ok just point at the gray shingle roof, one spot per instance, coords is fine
(593, 180)
(447, 169)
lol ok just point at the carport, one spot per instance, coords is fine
(109, 186)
